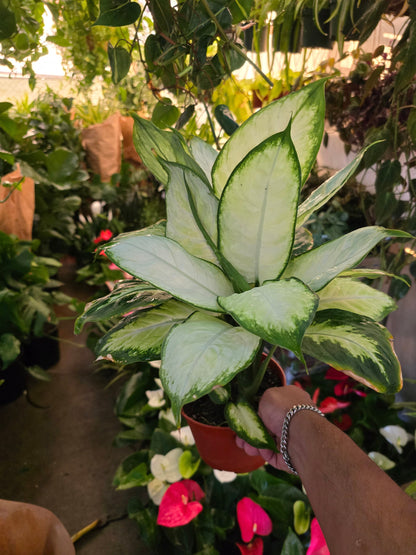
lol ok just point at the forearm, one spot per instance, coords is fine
(360, 509)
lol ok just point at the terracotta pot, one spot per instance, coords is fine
(216, 444)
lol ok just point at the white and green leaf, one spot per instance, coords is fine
(355, 296)
(168, 266)
(279, 312)
(154, 144)
(190, 206)
(204, 154)
(357, 346)
(257, 211)
(246, 423)
(201, 353)
(126, 296)
(328, 189)
(140, 336)
(305, 108)
(319, 266)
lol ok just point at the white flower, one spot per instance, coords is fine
(381, 460)
(156, 490)
(396, 435)
(224, 476)
(167, 415)
(166, 467)
(184, 435)
(155, 398)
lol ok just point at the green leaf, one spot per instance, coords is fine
(185, 186)
(7, 23)
(319, 266)
(292, 544)
(355, 296)
(168, 266)
(201, 353)
(61, 164)
(120, 61)
(4, 106)
(303, 241)
(9, 349)
(305, 108)
(257, 211)
(39, 373)
(117, 13)
(301, 517)
(152, 142)
(246, 423)
(132, 472)
(225, 119)
(328, 189)
(356, 346)
(279, 312)
(204, 155)
(165, 113)
(125, 297)
(140, 337)
(187, 465)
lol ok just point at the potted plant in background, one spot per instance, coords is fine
(239, 269)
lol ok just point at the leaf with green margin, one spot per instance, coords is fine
(319, 266)
(306, 109)
(187, 465)
(120, 61)
(328, 189)
(168, 266)
(246, 423)
(369, 273)
(357, 346)
(139, 337)
(292, 545)
(152, 143)
(257, 210)
(201, 353)
(354, 296)
(117, 13)
(181, 224)
(126, 296)
(279, 312)
(158, 229)
(204, 155)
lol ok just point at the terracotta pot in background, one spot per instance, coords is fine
(216, 444)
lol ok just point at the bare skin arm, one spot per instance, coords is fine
(360, 509)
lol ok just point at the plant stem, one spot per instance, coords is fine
(258, 370)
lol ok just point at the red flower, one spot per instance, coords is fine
(252, 519)
(105, 235)
(253, 548)
(180, 504)
(318, 544)
(344, 422)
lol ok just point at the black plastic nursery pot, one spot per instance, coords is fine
(14, 382)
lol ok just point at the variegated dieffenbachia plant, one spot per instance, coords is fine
(233, 267)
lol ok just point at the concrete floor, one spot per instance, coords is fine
(61, 456)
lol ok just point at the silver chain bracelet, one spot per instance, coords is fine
(285, 432)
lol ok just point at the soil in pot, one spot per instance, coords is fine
(215, 441)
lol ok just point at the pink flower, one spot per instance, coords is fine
(105, 235)
(318, 544)
(345, 384)
(252, 519)
(253, 548)
(180, 504)
(331, 404)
